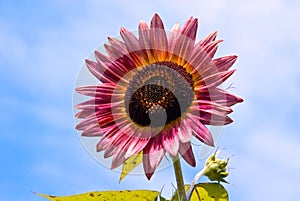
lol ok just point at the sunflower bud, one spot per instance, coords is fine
(215, 169)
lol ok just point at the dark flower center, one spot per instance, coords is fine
(158, 94)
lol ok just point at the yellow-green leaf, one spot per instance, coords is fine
(209, 192)
(126, 195)
(206, 192)
(130, 164)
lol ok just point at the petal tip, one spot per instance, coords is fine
(149, 175)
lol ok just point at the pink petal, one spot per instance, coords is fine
(170, 141)
(114, 53)
(112, 133)
(213, 81)
(211, 107)
(224, 63)
(97, 70)
(118, 159)
(212, 47)
(182, 50)
(184, 133)
(118, 45)
(92, 102)
(201, 132)
(112, 72)
(186, 151)
(190, 28)
(173, 35)
(176, 28)
(158, 38)
(90, 120)
(131, 42)
(156, 22)
(144, 39)
(199, 59)
(211, 37)
(219, 96)
(133, 46)
(214, 120)
(97, 90)
(135, 146)
(184, 42)
(152, 155)
(92, 131)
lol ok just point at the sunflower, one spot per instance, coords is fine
(155, 91)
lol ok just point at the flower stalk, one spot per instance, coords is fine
(179, 178)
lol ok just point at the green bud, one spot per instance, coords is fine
(215, 169)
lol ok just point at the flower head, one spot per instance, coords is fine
(156, 90)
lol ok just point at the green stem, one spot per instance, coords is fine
(179, 178)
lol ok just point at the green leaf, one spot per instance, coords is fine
(209, 192)
(130, 164)
(206, 192)
(126, 195)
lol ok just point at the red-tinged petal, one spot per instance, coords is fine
(92, 102)
(186, 151)
(224, 63)
(153, 154)
(110, 134)
(90, 120)
(97, 70)
(201, 132)
(118, 45)
(92, 131)
(102, 91)
(190, 28)
(184, 42)
(131, 42)
(83, 114)
(211, 37)
(123, 64)
(187, 24)
(214, 120)
(212, 47)
(144, 39)
(117, 143)
(213, 81)
(158, 39)
(210, 117)
(184, 133)
(118, 159)
(121, 56)
(112, 72)
(199, 59)
(114, 53)
(219, 96)
(135, 146)
(173, 35)
(176, 28)
(170, 141)
(182, 50)
(133, 46)
(211, 107)
(156, 22)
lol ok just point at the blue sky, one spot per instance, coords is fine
(42, 48)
